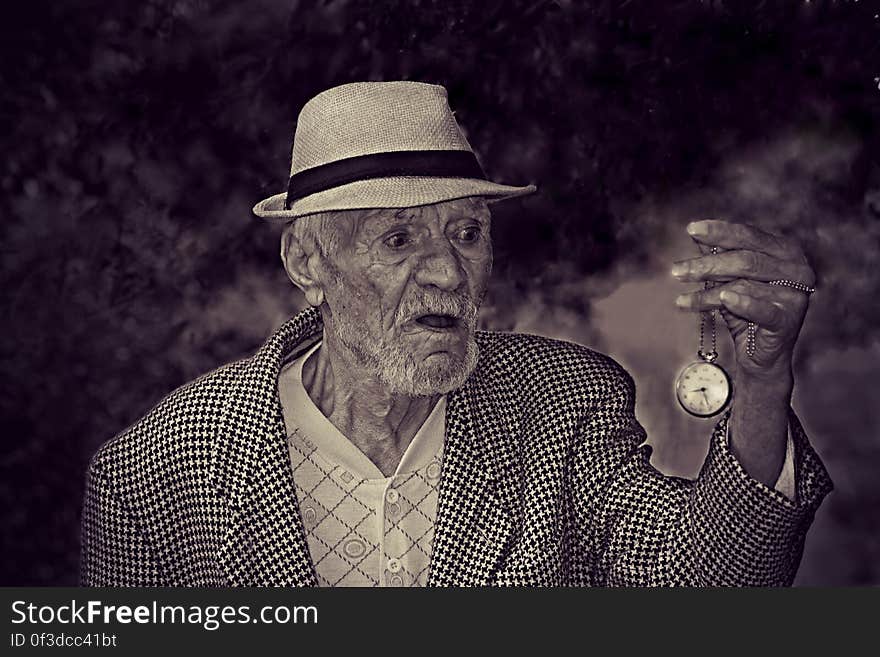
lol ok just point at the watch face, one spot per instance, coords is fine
(703, 389)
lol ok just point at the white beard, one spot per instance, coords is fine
(395, 366)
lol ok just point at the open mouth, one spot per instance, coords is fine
(438, 322)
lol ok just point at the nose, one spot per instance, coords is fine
(440, 267)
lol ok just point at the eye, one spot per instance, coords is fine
(396, 240)
(469, 234)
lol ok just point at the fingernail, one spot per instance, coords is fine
(698, 228)
(729, 297)
(683, 301)
(679, 269)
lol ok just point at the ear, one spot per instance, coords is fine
(299, 264)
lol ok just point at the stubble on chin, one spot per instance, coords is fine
(400, 368)
(387, 357)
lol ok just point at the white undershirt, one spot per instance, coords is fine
(362, 528)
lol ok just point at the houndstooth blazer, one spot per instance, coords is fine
(545, 481)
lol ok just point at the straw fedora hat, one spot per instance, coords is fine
(379, 145)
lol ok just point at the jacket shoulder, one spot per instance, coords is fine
(534, 365)
(181, 425)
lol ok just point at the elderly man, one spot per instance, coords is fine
(379, 439)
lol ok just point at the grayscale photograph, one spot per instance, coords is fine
(456, 294)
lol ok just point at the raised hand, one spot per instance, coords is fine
(747, 269)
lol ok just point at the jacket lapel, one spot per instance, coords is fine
(263, 539)
(477, 502)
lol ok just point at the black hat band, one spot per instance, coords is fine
(441, 164)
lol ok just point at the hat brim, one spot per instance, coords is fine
(395, 192)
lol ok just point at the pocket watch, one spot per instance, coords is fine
(703, 388)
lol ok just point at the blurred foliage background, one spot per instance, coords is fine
(137, 136)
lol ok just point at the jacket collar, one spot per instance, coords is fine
(264, 542)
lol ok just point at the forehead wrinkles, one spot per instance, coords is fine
(375, 221)
(367, 224)
(465, 207)
(363, 225)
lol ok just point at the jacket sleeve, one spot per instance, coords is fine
(638, 527)
(114, 549)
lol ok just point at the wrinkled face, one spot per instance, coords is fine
(404, 290)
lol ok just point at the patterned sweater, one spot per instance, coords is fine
(546, 481)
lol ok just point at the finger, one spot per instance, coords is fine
(767, 314)
(735, 236)
(702, 300)
(706, 249)
(731, 265)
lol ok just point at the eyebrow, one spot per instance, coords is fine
(482, 211)
(483, 215)
(379, 219)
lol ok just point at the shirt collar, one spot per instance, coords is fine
(301, 413)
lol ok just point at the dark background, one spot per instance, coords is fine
(137, 136)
